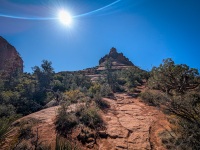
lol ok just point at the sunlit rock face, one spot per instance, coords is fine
(10, 60)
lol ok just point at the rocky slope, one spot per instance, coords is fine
(10, 59)
(130, 125)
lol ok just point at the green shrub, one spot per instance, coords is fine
(121, 81)
(26, 106)
(73, 95)
(65, 121)
(154, 98)
(186, 108)
(79, 110)
(64, 144)
(170, 77)
(106, 90)
(181, 85)
(91, 118)
(102, 104)
(57, 85)
(25, 132)
(7, 97)
(4, 128)
(5, 123)
(7, 110)
(94, 89)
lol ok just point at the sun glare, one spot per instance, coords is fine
(65, 18)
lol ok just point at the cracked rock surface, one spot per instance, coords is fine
(132, 125)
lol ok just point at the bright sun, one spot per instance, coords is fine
(65, 17)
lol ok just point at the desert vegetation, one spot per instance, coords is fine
(172, 87)
(24, 93)
(175, 89)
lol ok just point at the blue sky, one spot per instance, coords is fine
(146, 31)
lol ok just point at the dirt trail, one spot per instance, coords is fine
(132, 125)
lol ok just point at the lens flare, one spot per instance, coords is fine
(65, 17)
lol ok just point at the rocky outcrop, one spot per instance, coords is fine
(117, 62)
(10, 60)
(129, 125)
(115, 58)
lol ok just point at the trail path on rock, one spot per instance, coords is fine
(132, 125)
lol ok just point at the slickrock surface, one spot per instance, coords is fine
(132, 125)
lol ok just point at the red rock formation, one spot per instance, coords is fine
(10, 60)
(117, 59)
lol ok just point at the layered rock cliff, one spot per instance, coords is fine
(10, 60)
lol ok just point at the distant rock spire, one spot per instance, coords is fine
(113, 50)
(116, 58)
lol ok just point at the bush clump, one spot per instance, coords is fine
(91, 118)
(65, 121)
(179, 88)
(154, 98)
(85, 114)
(64, 144)
(73, 96)
(106, 90)
(102, 104)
